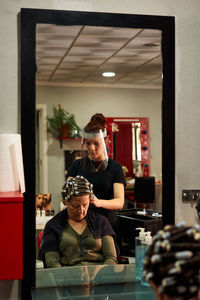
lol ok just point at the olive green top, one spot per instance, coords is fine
(81, 249)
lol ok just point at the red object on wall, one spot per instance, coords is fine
(144, 140)
(11, 233)
(123, 147)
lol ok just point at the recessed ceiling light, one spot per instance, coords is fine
(108, 74)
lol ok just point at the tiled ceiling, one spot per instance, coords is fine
(77, 56)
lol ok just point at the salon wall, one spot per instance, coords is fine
(187, 79)
(84, 102)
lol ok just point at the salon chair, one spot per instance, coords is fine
(39, 238)
(143, 193)
(144, 190)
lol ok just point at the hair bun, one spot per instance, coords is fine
(97, 122)
(100, 119)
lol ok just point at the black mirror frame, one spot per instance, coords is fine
(29, 19)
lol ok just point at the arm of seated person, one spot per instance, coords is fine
(109, 250)
(52, 259)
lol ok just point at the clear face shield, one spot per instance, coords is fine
(94, 151)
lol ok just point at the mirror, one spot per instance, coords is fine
(29, 19)
(70, 63)
(129, 144)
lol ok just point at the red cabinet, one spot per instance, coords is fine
(11, 235)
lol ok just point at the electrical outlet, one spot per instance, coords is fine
(190, 195)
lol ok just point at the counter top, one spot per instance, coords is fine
(96, 281)
(15, 196)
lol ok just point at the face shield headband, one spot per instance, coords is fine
(92, 165)
(92, 135)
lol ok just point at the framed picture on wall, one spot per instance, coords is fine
(43, 201)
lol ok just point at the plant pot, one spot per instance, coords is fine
(65, 131)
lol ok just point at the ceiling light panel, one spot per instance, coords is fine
(58, 29)
(142, 54)
(139, 43)
(100, 42)
(109, 31)
(151, 33)
(149, 69)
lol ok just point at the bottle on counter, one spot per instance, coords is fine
(47, 212)
(43, 212)
(146, 243)
(38, 212)
(139, 253)
(52, 212)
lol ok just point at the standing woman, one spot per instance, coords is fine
(104, 173)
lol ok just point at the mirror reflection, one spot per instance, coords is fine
(90, 282)
(134, 133)
(70, 62)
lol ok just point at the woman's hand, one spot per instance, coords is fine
(116, 203)
(95, 201)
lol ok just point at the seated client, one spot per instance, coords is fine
(76, 236)
(172, 263)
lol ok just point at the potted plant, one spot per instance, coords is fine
(62, 123)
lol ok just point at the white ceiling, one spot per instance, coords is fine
(77, 56)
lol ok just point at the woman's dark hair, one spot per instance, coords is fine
(96, 123)
(172, 262)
